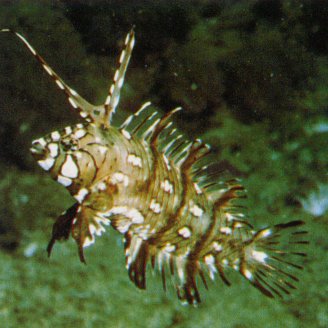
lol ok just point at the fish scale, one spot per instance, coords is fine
(163, 193)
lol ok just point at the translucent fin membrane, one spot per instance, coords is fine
(272, 256)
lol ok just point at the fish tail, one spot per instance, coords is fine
(271, 258)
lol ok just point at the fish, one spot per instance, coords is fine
(165, 195)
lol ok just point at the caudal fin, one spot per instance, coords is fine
(271, 258)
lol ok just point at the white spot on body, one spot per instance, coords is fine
(119, 177)
(169, 248)
(217, 247)
(83, 114)
(131, 213)
(55, 136)
(155, 207)
(53, 148)
(69, 168)
(184, 232)
(47, 164)
(167, 186)
(134, 160)
(226, 230)
(64, 181)
(196, 211)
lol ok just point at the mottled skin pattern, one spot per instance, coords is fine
(157, 189)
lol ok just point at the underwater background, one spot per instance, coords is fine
(252, 77)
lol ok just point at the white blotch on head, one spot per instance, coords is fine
(134, 160)
(217, 247)
(119, 177)
(196, 211)
(80, 133)
(167, 186)
(226, 230)
(185, 232)
(259, 256)
(80, 196)
(53, 148)
(64, 181)
(126, 134)
(55, 136)
(47, 164)
(73, 103)
(155, 207)
(69, 168)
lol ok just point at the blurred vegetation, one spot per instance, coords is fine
(252, 77)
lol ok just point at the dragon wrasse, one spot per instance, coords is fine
(157, 189)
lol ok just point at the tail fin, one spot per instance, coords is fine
(270, 258)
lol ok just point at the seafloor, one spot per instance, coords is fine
(252, 77)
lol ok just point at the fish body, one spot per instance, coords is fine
(158, 190)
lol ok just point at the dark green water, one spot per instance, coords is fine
(252, 77)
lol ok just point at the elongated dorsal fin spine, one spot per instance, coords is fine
(113, 97)
(74, 99)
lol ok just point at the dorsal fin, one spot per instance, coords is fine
(113, 97)
(75, 100)
(100, 115)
